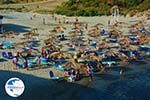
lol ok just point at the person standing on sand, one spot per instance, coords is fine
(15, 60)
(31, 18)
(86, 67)
(90, 72)
(108, 22)
(44, 21)
(26, 63)
(55, 18)
(86, 26)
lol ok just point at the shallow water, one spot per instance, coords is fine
(134, 85)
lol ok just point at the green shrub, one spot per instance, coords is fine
(99, 7)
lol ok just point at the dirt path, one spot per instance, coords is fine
(49, 4)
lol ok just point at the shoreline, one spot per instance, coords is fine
(22, 23)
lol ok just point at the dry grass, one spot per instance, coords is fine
(43, 6)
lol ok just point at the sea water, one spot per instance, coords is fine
(133, 85)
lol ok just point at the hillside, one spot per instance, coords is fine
(101, 7)
(38, 6)
(18, 1)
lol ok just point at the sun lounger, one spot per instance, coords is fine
(104, 32)
(144, 48)
(32, 48)
(113, 40)
(109, 63)
(138, 55)
(93, 43)
(10, 55)
(7, 44)
(32, 62)
(35, 60)
(99, 52)
(43, 61)
(59, 67)
(25, 48)
(132, 37)
(4, 55)
(7, 55)
(143, 30)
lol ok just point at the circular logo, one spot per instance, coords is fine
(14, 87)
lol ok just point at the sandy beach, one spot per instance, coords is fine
(38, 79)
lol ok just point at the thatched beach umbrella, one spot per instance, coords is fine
(27, 35)
(90, 58)
(63, 54)
(73, 33)
(72, 64)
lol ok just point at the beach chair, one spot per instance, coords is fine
(104, 32)
(93, 43)
(43, 61)
(52, 76)
(113, 40)
(35, 60)
(25, 49)
(132, 36)
(10, 55)
(109, 63)
(99, 52)
(7, 44)
(5, 55)
(32, 62)
(59, 67)
(144, 48)
(32, 48)
(138, 55)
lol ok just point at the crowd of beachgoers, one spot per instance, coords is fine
(80, 49)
